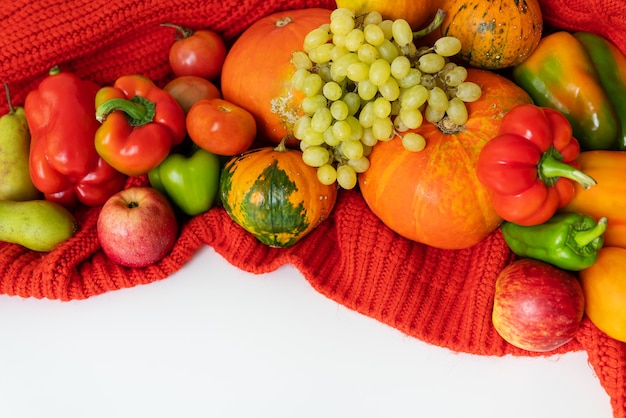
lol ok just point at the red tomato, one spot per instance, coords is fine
(188, 89)
(221, 127)
(200, 53)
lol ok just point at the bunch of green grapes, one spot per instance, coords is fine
(364, 81)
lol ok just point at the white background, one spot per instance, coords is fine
(214, 341)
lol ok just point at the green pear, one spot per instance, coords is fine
(15, 183)
(39, 225)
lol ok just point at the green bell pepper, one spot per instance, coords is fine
(190, 182)
(570, 241)
(561, 74)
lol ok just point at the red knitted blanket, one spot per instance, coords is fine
(442, 297)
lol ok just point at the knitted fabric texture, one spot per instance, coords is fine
(443, 297)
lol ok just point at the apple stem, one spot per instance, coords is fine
(586, 237)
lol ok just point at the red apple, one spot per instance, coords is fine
(137, 227)
(537, 306)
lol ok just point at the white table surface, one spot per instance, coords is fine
(214, 341)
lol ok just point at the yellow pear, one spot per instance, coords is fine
(15, 181)
(39, 225)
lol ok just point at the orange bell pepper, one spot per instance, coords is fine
(140, 124)
(561, 75)
(607, 197)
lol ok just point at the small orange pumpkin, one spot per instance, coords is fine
(257, 71)
(494, 34)
(417, 12)
(434, 196)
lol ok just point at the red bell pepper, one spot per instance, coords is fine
(140, 124)
(530, 166)
(64, 164)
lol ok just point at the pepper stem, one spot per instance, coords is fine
(586, 237)
(434, 24)
(551, 168)
(139, 110)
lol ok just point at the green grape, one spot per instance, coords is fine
(457, 111)
(468, 91)
(313, 137)
(346, 177)
(304, 145)
(386, 26)
(433, 115)
(321, 54)
(390, 89)
(400, 67)
(337, 52)
(326, 174)
(315, 156)
(414, 97)
(323, 69)
(374, 35)
(447, 46)
(382, 128)
(380, 71)
(352, 149)
(360, 165)
(342, 130)
(315, 38)
(301, 60)
(428, 81)
(356, 129)
(353, 100)
(339, 40)
(341, 23)
(368, 139)
(321, 119)
(358, 71)
(431, 63)
(368, 53)
(312, 84)
(339, 110)
(411, 118)
(455, 76)
(382, 107)
(412, 141)
(438, 99)
(354, 39)
(300, 126)
(413, 78)
(297, 79)
(372, 17)
(388, 50)
(330, 139)
(331, 90)
(401, 32)
(367, 90)
(311, 103)
(367, 116)
(339, 67)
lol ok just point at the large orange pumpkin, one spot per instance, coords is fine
(494, 34)
(417, 12)
(434, 196)
(257, 71)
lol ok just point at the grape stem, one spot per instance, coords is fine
(434, 24)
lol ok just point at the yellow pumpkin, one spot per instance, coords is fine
(417, 12)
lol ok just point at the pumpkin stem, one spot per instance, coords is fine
(282, 147)
(434, 24)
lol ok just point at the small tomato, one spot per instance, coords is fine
(200, 53)
(188, 89)
(221, 127)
